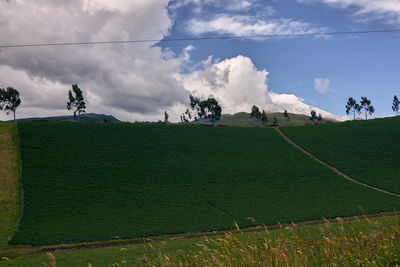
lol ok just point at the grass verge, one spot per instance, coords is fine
(9, 182)
(362, 241)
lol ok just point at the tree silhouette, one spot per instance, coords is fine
(210, 109)
(275, 122)
(255, 112)
(395, 106)
(353, 107)
(9, 100)
(286, 115)
(195, 105)
(264, 117)
(166, 116)
(366, 105)
(313, 116)
(76, 102)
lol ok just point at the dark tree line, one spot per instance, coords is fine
(314, 118)
(256, 113)
(352, 107)
(208, 109)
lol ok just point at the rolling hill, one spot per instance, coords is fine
(366, 150)
(89, 182)
(244, 119)
(84, 117)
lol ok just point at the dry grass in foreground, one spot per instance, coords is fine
(369, 243)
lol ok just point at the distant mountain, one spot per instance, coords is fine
(244, 119)
(84, 117)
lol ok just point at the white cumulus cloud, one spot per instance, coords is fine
(321, 85)
(137, 79)
(130, 81)
(240, 25)
(238, 85)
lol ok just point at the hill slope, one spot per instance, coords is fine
(87, 182)
(244, 119)
(84, 117)
(368, 151)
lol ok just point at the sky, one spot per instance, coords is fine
(139, 81)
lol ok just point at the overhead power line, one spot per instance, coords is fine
(198, 38)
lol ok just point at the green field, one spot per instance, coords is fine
(98, 181)
(368, 151)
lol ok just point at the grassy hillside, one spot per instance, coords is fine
(243, 119)
(97, 181)
(9, 182)
(368, 151)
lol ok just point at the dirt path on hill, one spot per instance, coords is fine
(333, 168)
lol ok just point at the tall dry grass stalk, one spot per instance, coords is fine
(369, 243)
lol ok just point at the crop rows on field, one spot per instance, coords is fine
(368, 151)
(98, 181)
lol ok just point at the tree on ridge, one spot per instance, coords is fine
(9, 100)
(366, 105)
(166, 116)
(395, 106)
(313, 117)
(76, 102)
(352, 107)
(264, 117)
(255, 112)
(286, 114)
(275, 122)
(209, 109)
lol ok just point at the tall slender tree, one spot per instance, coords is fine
(319, 118)
(9, 100)
(286, 115)
(76, 102)
(195, 105)
(264, 117)
(366, 106)
(166, 116)
(395, 105)
(275, 122)
(353, 107)
(313, 117)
